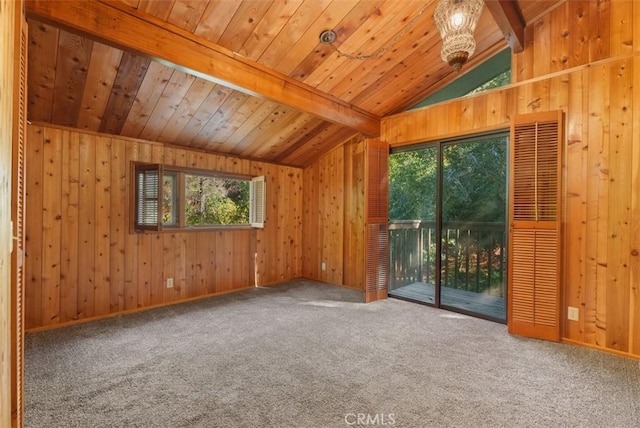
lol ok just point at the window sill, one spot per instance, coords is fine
(213, 228)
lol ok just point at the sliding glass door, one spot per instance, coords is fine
(447, 234)
(412, 231)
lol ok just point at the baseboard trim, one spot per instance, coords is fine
(601, 348)
(131, 311)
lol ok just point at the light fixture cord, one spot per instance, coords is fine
(378, 53)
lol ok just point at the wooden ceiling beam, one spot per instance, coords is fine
(123, 26)
(509, 18)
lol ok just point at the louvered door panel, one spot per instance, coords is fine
(18, 218)
(535, 226)
(377, 265)
(376, 215)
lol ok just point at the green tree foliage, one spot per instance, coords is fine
(501, 79)
(473, 180)
(214, 200)
(412, 185)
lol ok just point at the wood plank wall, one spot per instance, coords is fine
(334, 216)
(8, 10)
(583, 58)
(84, 263)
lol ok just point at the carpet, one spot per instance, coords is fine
(307, 354)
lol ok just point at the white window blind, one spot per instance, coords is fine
(256, 205)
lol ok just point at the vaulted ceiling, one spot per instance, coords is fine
(246, 78)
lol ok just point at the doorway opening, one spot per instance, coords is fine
(447, 228)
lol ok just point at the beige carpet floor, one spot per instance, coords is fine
(305, 354)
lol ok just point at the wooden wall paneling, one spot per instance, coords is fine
(619, 205)
(224, 259)
(542, 46)
(559, 93)
(42, 56)
(600, 223)
(170, 243)
(495, 107)
(466, 106)
(310, 222)
(86, 228)
(331, 192)
(70, 170)
(180, 280)
(479, 112)
(599, 102)
(155, 243)
(157, 278)
(102, 68)
(634, 341)
(575, 232)
(132, 153)
(191, 262)
(284, 200)
(131, 268)
(51, 225)
(242, 258)
(270, 235)
(354, 243)
(118, 225)
(144, 245)
(593, 41)
(636, 27)
(201, 263)
(578, 22)
(102, 226)
(560, 36)
(295, 228)
(522, 63)
(34, 216)
(541, 96)
(621, 32)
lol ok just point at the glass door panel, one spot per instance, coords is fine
(412, 226)
(473, 232)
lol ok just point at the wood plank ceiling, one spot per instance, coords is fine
(299, 98)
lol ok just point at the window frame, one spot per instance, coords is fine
(180, 200)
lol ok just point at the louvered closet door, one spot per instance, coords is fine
(17, 216)
(377, 217)
(535, 226)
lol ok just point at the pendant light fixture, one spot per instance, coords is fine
(456, 20)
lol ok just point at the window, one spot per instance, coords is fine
(194, 198)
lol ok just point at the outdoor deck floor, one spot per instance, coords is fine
(491, 306)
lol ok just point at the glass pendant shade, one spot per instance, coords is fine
(456, 20)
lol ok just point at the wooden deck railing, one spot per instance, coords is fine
(473, 255)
